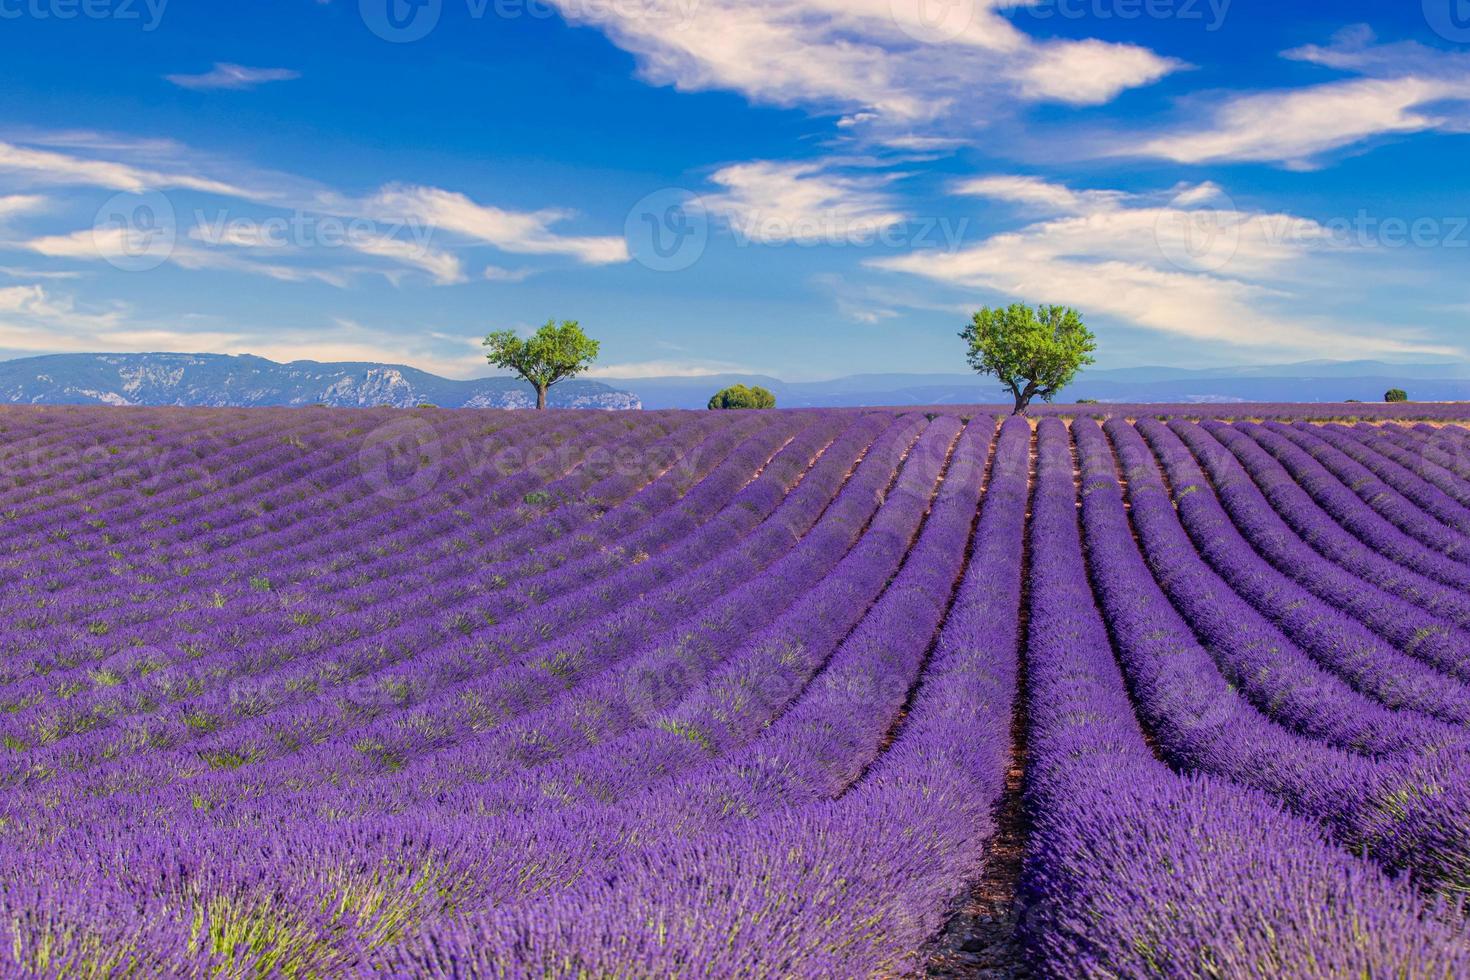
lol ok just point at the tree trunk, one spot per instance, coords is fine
(541, 397)
(1023, 398)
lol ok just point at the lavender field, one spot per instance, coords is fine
(310, 692)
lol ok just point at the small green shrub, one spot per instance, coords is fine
(1396, 395)
(739, 396)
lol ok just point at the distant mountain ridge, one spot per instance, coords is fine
(1310, 381)
(245, 380)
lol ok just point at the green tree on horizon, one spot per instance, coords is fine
(1035, 353)
(552, 355)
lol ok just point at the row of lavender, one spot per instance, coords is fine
(390, 814)
(693, 696)
(1434, 412)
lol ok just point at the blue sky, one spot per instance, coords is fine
(806, 188)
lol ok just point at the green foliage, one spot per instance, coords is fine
(1034, 353)
(553, 355)
(1396, 395)
(739, 396)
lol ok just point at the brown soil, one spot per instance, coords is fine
(981, 939)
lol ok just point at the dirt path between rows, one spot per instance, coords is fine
(982, 939)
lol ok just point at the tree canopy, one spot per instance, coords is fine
(739, 396)
(554, 354)
(1396, 395)
(1034, 352)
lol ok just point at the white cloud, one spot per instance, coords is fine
(803, 202)
(237, 234)
(124, 245)
(874, 301)
(15, 299)
(1212, 274)
(16, 272)
(32, 319)
(86, 244)
(1088, 72)
(1298, 126)
(1402, 88)
(413, 252)
(871, 315)
(884, 63)
(206, 259)
(51, 169)
(1038, 193)
(228, 76)
(495, 273)
(527, 233)
(444, 268)
(14, 204)
(394, 225)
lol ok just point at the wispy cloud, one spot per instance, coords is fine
(230, 76)
(1296, 128)
(17, 272)
(48, 168)
(874, 302)
(123, 244)
(394, 225)
(1186, 263)
(522, 232)
(1403, 88)
(1039, 194)
(14, 204)
(495, 273)
(33, 319)
(444, 268)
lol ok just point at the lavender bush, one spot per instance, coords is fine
(427, 693)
